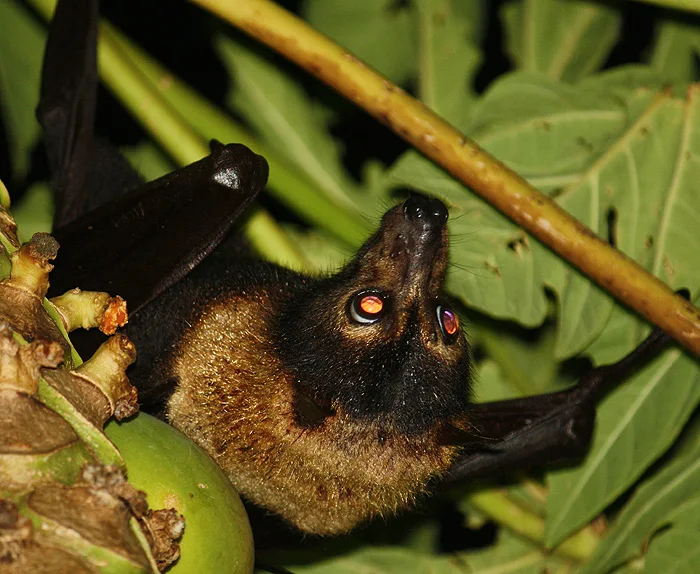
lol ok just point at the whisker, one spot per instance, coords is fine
(475, 270)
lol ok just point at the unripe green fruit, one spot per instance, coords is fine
(175, 472)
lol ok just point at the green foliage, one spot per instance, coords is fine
(563, 40)
(34, 212)
(669, 498)
(511, 555)
(385, 26)
(636, 423)
(21, 53)
(617, 147)
(286, 117)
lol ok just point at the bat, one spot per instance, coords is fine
(328, 401)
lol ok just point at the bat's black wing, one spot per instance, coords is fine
(117, 234)
(518, 434)
(86, 171)
(150, 238)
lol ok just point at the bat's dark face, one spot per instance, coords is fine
(380, 341)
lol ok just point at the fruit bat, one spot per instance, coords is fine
(327, 400)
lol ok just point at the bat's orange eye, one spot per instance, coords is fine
(368, 306)
(371, 304)
(449, 323)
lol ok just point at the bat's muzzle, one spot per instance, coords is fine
(427, 212)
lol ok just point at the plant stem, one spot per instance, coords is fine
(4, 196)
(497, 505)
(285, 182)
(501, 187)
(171, 130)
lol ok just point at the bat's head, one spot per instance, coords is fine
(380, 340)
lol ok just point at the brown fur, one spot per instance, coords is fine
(324, 480)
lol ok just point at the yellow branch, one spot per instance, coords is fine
(502, 188)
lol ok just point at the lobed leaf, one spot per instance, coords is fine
(385, 26)
(668, 498)
(287, 119)
(448, 55)
(636, 423)
(676, 551)
(565, 39)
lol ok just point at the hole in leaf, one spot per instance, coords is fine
(611, 217)
(518, 245)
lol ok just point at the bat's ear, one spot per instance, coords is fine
(85, 171)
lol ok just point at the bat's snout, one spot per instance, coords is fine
(428, 212)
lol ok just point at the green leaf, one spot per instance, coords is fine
(565, 39)
(621, 333)
(287, 118)
(667, 498)
(636, 423)
(374, 30)
(626, 82)
(545, 130)
(676, 45)
(324, 253)
(510, 556)
(449, 56)
(676, 235)
(687, 514)
(525, 358)
(629, 182)
(490, 384)
(148, 160)
(646, 182)
(21, 53)
(676, 551)
(387, 560)
(34, 212)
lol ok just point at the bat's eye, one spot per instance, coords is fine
(448, 321)
(368, 306)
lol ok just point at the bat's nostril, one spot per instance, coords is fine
(431, 212)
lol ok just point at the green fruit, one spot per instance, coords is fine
(176, 473)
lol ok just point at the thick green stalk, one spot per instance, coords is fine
(497, 505)
(285, 182)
